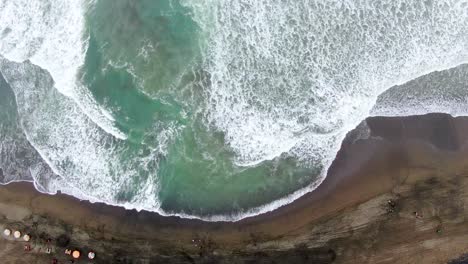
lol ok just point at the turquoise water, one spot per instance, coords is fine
(143, 63)
(211, 109)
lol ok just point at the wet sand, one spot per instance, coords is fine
(420, 163)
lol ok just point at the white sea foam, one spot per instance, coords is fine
(51, 35)
(286, 77)
(296, 76)
(88, 160)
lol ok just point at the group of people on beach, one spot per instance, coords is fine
(44, 245)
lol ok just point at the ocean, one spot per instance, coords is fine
(216, 109)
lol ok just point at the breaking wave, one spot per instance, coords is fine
(281, 80)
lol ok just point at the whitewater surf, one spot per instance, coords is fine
(217, 110)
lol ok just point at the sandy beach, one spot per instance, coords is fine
(396, 193)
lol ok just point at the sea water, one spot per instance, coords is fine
(216, 110)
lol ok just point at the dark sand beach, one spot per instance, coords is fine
(396, 193)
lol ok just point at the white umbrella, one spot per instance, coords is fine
(91, 255)
(17, 234)
(26, 238)
(7, 232)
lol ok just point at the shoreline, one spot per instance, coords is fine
(399, 154)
